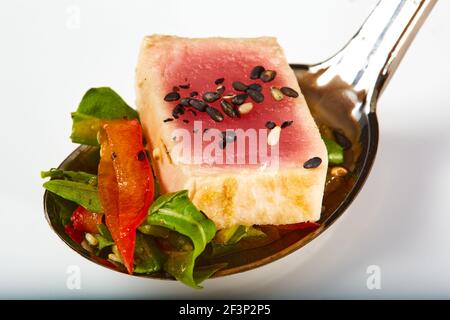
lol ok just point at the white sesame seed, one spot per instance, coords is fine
(228, 96)
(276, 93)
(91, 239)
(274, 136)
(85, 245)
(114, 258)
(245, 108)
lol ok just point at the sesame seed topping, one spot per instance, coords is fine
(312, 163)
(219, 81)
(286, 124)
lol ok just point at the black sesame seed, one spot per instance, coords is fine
(257, 96)
(185, 86)
(342, 140)
(177, 111)
(168, 120)
(219, 81)
(268, 75)
(256, 72)
(175, 89)
(211, 96)
(215, 114)
(185, 120)
(239, 99)
(229, 109)
(141, 155)
(312, 163)
(255, 86)
(270, 125)
(198, 104)
(113, 156)
(239, 86)
(286, 124)
(220, 89)
(194, 93)
(289, 92)
(172, 96)
(185, 101)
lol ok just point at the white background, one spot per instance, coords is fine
(400, 221)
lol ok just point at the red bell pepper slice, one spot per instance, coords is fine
(125, 183)
(75, 235)
(86, 221)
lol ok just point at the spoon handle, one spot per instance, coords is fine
(368, 61)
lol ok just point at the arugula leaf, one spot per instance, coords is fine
(180, 242)
(97, 105)
(77, 176)
(335, 151)
(147, 256)
(104, 238)
(218, 250)
(176, 212)
(176, 240)
(65, 209)
(204, 272)
(155, 231)
(81, 193)
(255, 233)
(236, 233)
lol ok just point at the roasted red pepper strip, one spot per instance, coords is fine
(75, 235)
(299, 226)
(86, 221)
(125, 183)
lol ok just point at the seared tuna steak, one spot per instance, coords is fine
(225, 119)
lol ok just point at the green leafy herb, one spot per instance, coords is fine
(147, 256)
(98, 104)
(65, 209)
(104, 238)
(81, 193)
(175, 239)
(218, 250)
(335, 151)
(77, 176)
(155, 231)
(204, 272)
(236, 233)
(180, 242)
(176, 212)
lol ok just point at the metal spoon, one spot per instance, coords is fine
(342, 93)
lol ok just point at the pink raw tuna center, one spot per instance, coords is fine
(200, 70)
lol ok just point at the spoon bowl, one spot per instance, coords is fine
(342, 94)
